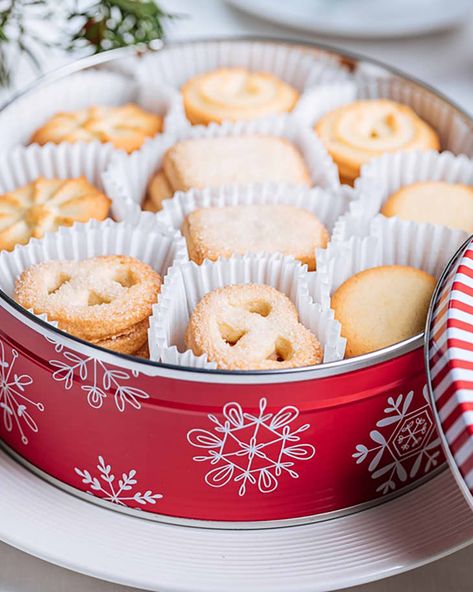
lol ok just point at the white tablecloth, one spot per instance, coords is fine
(444, 60)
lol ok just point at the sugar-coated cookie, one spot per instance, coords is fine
(251, 327)
(126, 126)
(211, 162)
(437, 202)
(235, 94)
(105, 300)
(44, 205)
(222, 232)
(382, 306)
(354, 134)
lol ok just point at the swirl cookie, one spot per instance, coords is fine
(382, 306)
(126, 127)
(251, 327)
(356, 133)
(235, 94)
(44, 205)
(105, 300)
(210, 162)
(222, 232)
(437, 202)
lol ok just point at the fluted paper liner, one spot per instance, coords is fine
(148, 241)
(327, 206)
(176, 65)
(24, 164)
(187, 284)
(77, 91)
(385, 175)
(390, 241)
(127, 177)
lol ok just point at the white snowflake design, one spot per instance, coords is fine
(13, 400)
(102, 379)
(251, 449)
(118, 491)
(412, 446)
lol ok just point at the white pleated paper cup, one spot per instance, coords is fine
(186, 285)
(389, 241)
(154, 244)
(77, 91)
(173, 67)
(326, 205)
(23, 164)
(127, 177)
(385, 175)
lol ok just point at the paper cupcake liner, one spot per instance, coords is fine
(187, 284)
(385, 175)
(127, 177)
(327, 206)
(83, 89)
(174, 66)
(147, 240)
(390, 241)
(24, 164)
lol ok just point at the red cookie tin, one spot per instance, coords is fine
(218, 448)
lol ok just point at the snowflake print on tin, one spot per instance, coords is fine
(252, 450)
(118, 491)
(103, 380)
(15, 405)
(406, 443)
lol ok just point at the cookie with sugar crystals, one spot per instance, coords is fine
(233, 94)
(251, 327)
(437, 202)
(98, 299)
(126, 126)
(222, 232)
(381, 306)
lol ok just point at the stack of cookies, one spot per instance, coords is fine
(105, 300)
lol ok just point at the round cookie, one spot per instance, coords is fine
(126, 126)
(251, 327)
(354, 134)
(235, 94)
(437, 202)
(382, 306)
(95, 299)
(45, 204)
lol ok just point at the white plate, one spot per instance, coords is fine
(416, 528)
(361, 18)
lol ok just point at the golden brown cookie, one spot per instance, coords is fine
(222, 232)
(356, 133)
(97, 299)
(44, 205)
(251, 327)
(382, 306)
(126, 126)
(159, 189)
(235, 94)
(437, 202)
(133, 340)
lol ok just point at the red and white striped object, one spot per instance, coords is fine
(450, 364)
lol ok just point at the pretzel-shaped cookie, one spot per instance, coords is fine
(251, 327)
(95, 299)
(126, 126)
(235, 94)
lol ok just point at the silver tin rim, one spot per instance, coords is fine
(186, 373)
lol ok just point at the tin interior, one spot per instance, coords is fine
(348, 59)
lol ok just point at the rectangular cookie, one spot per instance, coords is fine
(208, 162)
(222, 232)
